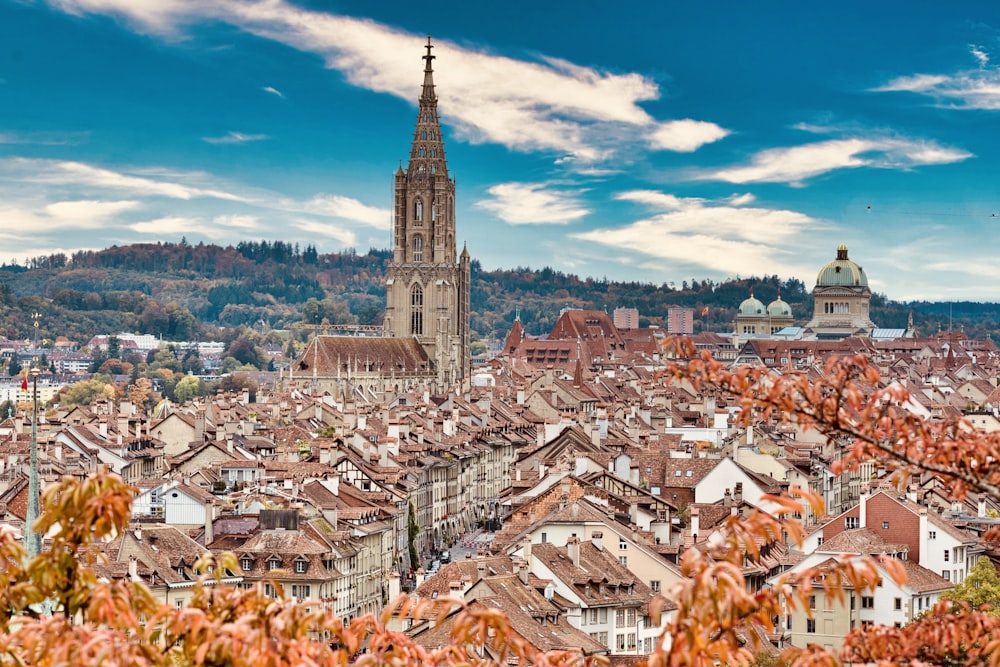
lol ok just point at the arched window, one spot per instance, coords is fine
(418, 248)
(418, 209)
(421, 152)
(423, 135)
(434, 208)
(417, 311)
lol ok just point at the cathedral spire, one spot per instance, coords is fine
(428, 89)
(427, 151)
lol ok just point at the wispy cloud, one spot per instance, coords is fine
(86, 177)
(795, 164)
(965, 89)
(273, 91)
(237, 222)
(42, 138)
(546, 104)
(171, 225)
(534, 204)
(346, 208)
(685, 136)
(235, 138)
(723, 238)
(325, 230)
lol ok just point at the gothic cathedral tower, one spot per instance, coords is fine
(427, 290)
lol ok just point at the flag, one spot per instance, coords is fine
(24, 382)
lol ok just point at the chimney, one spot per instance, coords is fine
(133, 568)
(394, 586)
(597, 538)
(981, 506)
(573, 549)
(522, 571)
(727, 499)
(738, 494)
(199, 426)
(419, 576)
(695, 523)
(209, 524)
(480, 568)
(526, 550)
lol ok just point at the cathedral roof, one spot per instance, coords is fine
(330, 355)
(841, 272)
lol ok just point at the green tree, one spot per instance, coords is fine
(981, 588)
(86, 392)
(412, 530)
(114, 347)
(187, 388)
(14, 367)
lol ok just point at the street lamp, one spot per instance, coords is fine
(36, 316)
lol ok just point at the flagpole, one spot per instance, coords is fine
(31, 538)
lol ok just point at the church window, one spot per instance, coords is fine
(418, 209)
(421, 152)
(434, 152)
(418, 248)
(417, 311)
(433, 207)
(433, 169)
(423, 135)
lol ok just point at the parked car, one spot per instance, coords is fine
(445, 556)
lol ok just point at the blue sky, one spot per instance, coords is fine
(650, 141)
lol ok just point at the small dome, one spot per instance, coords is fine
(841, 272)
(751, 306)
(779, 308)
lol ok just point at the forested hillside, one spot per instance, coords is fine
(180, 291)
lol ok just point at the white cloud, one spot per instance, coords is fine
(721, 238)
(86, 177)
(548, 105)
(345, 237)
(965, 89)
(23, 221)
(685, 136)
(235, 138)
(980, 55)
(172, 225)
(348, 208)
(533, 204)
(87, 211)
(797, 163)
(235, 221)
(273, 91)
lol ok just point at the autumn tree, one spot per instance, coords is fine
(846, 400)
(58, 612)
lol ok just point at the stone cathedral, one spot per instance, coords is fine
(425, 339)
(427, 290)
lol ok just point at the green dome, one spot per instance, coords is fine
(779, 308)
(751, 306)
(842, 272)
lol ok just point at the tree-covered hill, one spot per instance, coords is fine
(180, 291)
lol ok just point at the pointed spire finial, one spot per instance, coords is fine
(428, 58)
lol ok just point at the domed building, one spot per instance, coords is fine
(754, 319)
(841, 300)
